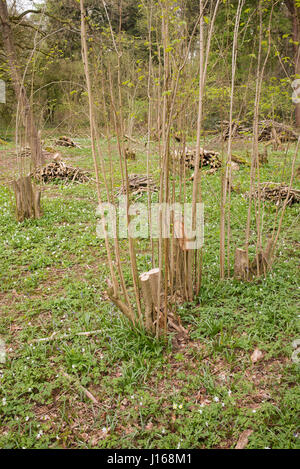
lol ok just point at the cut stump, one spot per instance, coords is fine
(28, 199)
(151, 292)
(240, 264)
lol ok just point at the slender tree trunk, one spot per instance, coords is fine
(296, 39)
(20, 91)
(295, 14)
(226, 178)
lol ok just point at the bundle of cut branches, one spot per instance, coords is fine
(130, 154)
(272, 130)
(58, 170)
(268, 130)
(65, 142)
(25, 152)
(238, 130)
(207, 158)
(138, 183)
(277, 193)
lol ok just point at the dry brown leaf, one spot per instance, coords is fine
(172, 423)
(243, 439)
(149, 426)
(129, 430)
(256, 355)
(94, 441)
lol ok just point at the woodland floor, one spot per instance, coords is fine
(198, 394)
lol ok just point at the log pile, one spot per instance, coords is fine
(138, 183)
(64, 141)
(208, 158)
(277, 193)
(58, 170)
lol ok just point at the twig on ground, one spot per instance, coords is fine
(86, 392)
(55, 335)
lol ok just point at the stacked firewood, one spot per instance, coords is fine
(58, 170)
(138, 183)
(65, 142)
(208, 158)
(277, 193)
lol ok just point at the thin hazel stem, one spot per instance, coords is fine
(93, 137)
(226, 180)
(255, 151)
(120, 137)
